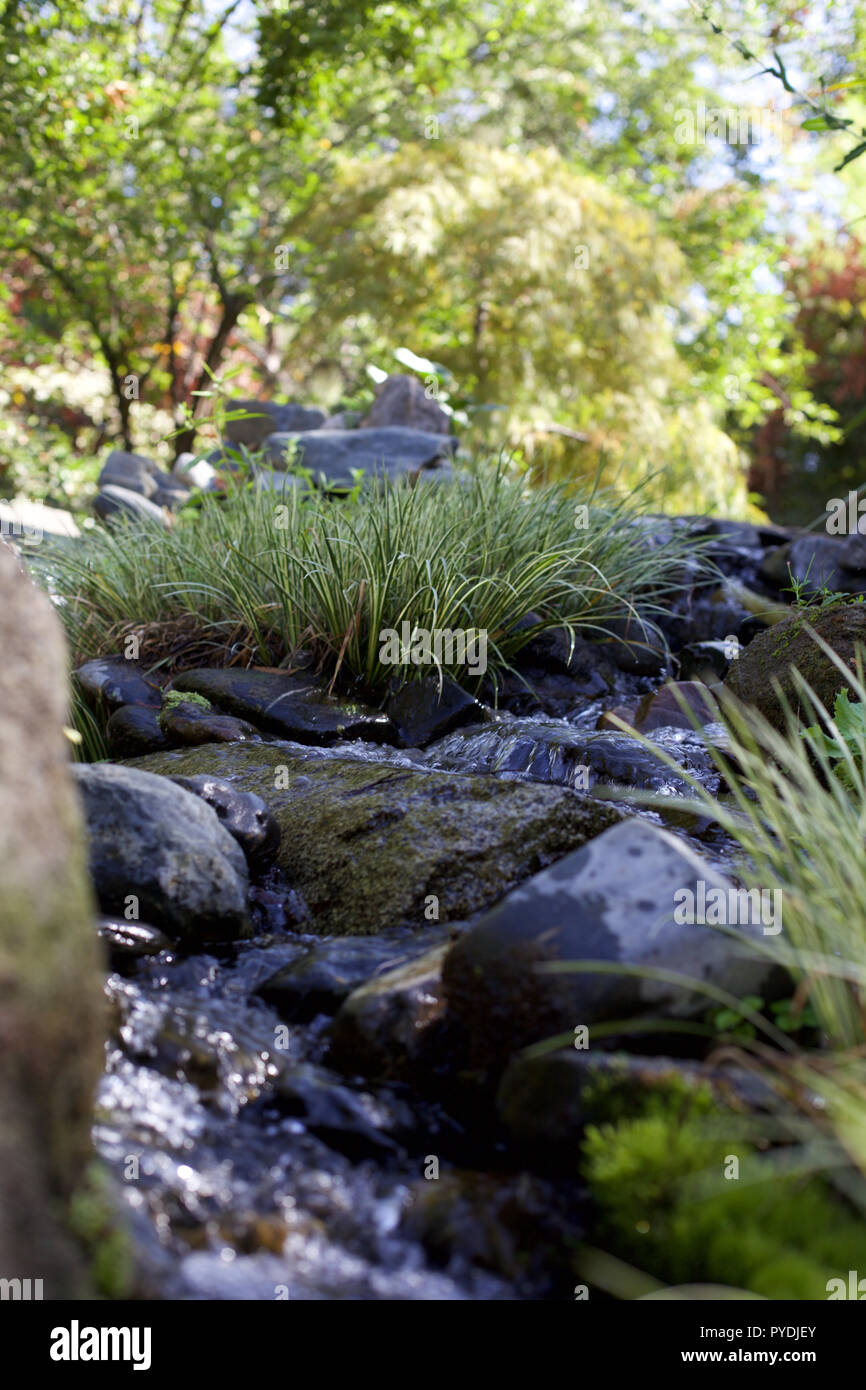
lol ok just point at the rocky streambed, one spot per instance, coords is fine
(331, 931)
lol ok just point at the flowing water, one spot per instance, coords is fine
(252, 1170)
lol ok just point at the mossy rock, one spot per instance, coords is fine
(788, 646)
(369, 844)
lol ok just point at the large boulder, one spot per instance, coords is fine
(613, 903)
(51, 1007)
(332, 456)
(264, 417)
(403, 400)
(789, 646)
(372, 845)
(157, 843)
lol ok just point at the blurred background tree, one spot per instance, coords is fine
(307, 188)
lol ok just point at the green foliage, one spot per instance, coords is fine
(299, 570)
(666, 1205)
(848, 742)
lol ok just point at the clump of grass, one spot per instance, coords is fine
(277, 572)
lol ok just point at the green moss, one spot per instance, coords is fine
(94, 1219)
(667, 1206)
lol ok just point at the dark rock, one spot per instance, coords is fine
(114, 501)
(111, 681)
(547, 1100)
(372, 846)
(671, 706)
(385, 1027)
(130, 941)
(705, 661)
(556, 649)
(295, 706)
(330, 970)
(190, 723)
(402, 400)
(634, 645)
(817, 562)
(788, 646)
(160, 844)
(134, 730)
(422, 711)
(245, 816)
(612, 902)
(352, 1122)
(333, 455)
(266, 417)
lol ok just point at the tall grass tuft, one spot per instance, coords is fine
(257, 575)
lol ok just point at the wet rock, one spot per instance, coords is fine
(111, 681)
(333, 455)
(372, 846)
(297, 707)
(128, 942)
(133, 472)
(671, 706)
(353, 1122)
(51, 1006)
(134, 730)
(385, 1027)
(635, 645)
(612, 902)
(569, 757)
(113, 501)
(157, 842)
(421, 711)
(245, 816)
(402, 400)
(532, 691)
(266, 417)
(788, 646)
(185, 721)
(329, 971)
(548, 1100)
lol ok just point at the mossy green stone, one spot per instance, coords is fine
(368, 844)
(775, 654)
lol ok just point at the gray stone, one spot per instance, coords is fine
(677, 705)
(51, 1003)
(114, 501)
(195, 472)
(333, 455)
(132, 472)
(402, 400)
(612, 902)
(111, 681)
(295, 706)
(158, 842)
(817, 562)
(22, 521)
(266, 417)
(245, 816)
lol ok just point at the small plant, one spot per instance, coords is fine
(849, 743)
